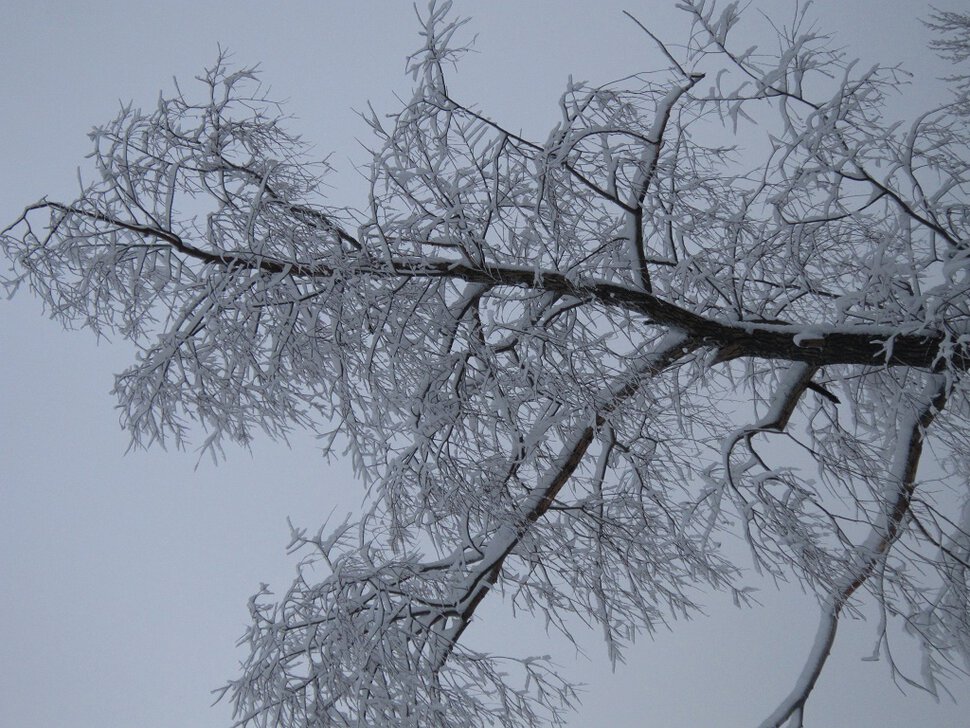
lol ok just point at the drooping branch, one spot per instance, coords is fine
(867, 556)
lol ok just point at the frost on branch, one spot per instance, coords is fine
(572, 370)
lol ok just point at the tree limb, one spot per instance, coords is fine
(872, 552)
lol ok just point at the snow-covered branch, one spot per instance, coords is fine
(865, 558)
(539, 354)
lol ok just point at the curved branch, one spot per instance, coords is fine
(870, 553)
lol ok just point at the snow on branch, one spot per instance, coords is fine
(538, 353)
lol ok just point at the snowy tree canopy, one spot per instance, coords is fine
(573, 369)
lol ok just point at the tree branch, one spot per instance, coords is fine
(810, 343)
(868, 555)
(673, 348)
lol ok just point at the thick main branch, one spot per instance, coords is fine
(810, 343)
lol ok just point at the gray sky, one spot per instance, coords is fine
(125, 577)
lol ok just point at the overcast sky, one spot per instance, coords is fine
(125, 576)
